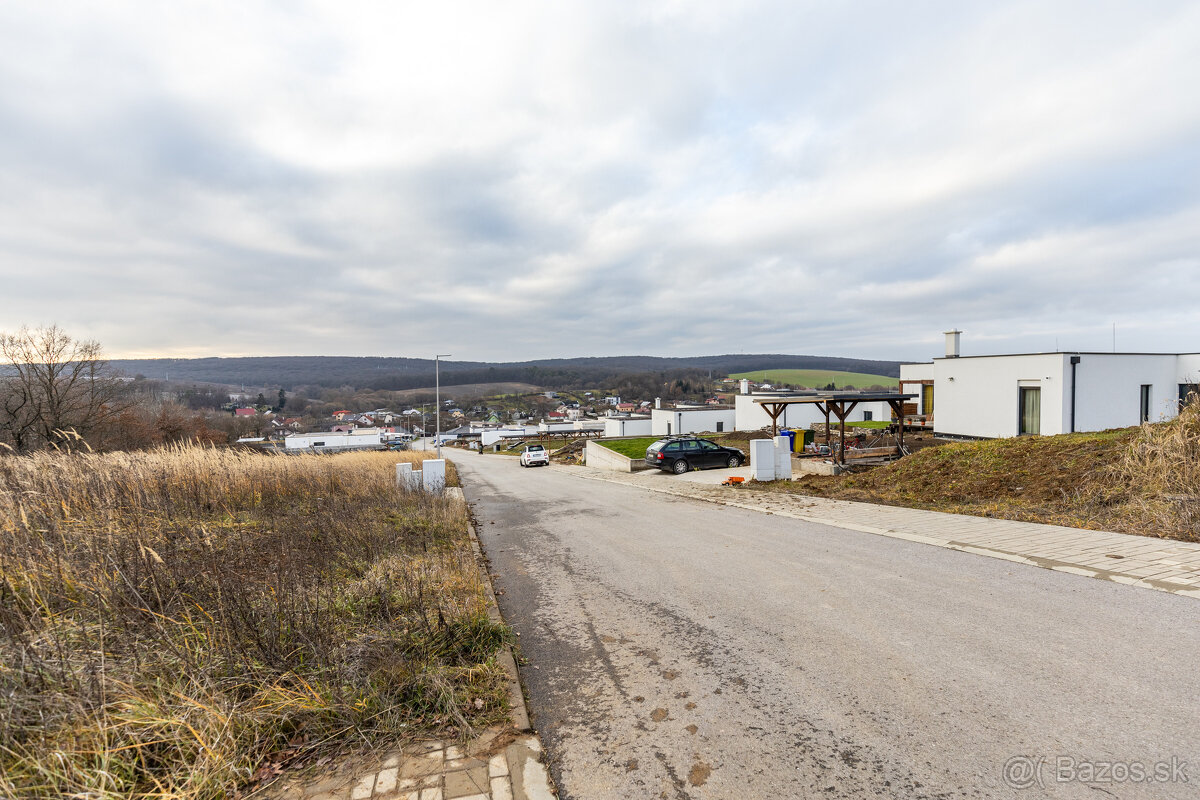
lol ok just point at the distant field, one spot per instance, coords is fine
(817, 378)
(473, 390)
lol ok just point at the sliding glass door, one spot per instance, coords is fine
(1030, 411)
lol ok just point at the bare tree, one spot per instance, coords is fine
(54, 389)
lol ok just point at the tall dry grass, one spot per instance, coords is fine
(1156, 481)
(171, 619)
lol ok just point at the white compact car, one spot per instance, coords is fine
(535, 455)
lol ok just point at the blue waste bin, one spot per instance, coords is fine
(791, 435)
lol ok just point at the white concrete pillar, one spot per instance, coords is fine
(762, 459)
(408, 478)
(433, 478)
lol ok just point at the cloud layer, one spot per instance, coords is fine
(527, 180)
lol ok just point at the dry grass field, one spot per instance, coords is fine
(175, 622)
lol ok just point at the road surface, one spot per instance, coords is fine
(680, 649)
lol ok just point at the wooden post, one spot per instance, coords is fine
(842, 411)
(774, 410)
(898, 407)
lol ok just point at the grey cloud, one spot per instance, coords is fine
(787, 177)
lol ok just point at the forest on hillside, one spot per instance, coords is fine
(381, 373)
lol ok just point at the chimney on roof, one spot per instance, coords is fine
(745, 386)
(658, 402)
(952, 343)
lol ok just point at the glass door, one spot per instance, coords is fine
(1031, 411)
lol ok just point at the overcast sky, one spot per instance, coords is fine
(504, 181)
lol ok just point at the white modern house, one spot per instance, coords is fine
(986, 397)
(751, 416)
(615, 427)
(364, 439)
(700, 419)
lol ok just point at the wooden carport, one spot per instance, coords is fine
(839, 404)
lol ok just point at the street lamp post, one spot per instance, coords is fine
(437, 393)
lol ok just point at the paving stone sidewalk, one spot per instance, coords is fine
(1162, 564)
(494, 766)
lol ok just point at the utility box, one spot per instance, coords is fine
(783, 458)
(762, 459)
(433, 475)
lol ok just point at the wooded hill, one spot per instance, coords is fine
(373, 372)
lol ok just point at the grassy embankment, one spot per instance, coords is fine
(817, 378)
(1143, 480)
(175, 622)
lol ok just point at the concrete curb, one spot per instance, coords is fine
(516, 697)
(1056, 565)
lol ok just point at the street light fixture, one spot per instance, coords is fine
(437, 393)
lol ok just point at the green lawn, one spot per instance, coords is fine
(817, 378)
(632, 448)
(875, 424)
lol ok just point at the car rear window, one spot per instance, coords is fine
(533, 447)
(654, 448)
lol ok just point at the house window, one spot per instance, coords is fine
(720, 427)
(927, 400)
(1145, 415)
(1188, 393)
(1030, 411)
(868, 416)
(668, 429)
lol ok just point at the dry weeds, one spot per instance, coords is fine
(172, 620)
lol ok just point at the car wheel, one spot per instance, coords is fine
(679, 467)
(734, 462)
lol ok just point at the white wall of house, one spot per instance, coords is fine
(752, 417)
(627, 426)
(1109, 391)
(333, 441)
(980, 396)
(490, 437)
(667, 421)
(1189, 370)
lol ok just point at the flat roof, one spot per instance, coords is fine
(1059, 353)
(840, 397)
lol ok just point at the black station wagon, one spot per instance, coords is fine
(679, 454)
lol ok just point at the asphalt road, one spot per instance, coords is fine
(680, 649)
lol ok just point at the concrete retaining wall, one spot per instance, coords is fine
(598, 456)
(813, 466)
